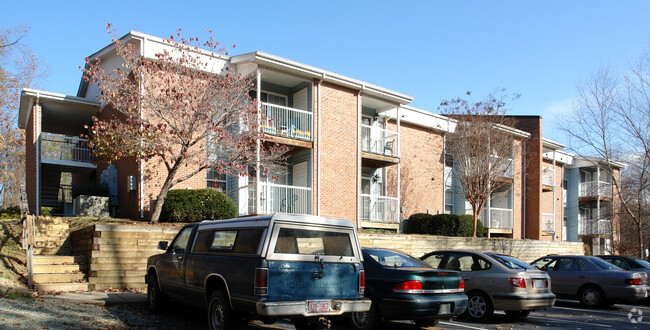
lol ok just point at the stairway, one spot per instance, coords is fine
(54, 268)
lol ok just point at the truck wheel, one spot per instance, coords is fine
(155, 297)
(219, 313)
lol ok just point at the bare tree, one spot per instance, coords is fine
(481, 147)
(611, 121)
(19, 68)
(177, 111)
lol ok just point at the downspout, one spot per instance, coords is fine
(318, 148)
(141, 190)
(554, 189)
(358, 182)
(525, 169)
(258, 192)
(597, 208)
(37, 124)
(399, 172)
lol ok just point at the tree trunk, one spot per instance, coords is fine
(638, 227)
(475, 218)
(160, 200)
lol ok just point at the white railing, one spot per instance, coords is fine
(496, 218)
(547, 177)
(289, 122)
(65, 148)
(548, 222)
(595, 189)
(379, 141)
(595, 227)
(376, 208)
(276, 198)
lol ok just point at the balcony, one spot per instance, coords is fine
(287, 123)
(595, 189)
(548, 222)
(378, 146)
(548, 176)
(65, 150)
(497, 218)
(595, 227)
(379, 209)
(275, 198)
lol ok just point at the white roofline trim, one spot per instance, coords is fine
(548, 143)
(513, 131)
(28, 95)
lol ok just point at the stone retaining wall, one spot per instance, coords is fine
(117, 254)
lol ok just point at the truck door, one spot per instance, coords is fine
(172, 266)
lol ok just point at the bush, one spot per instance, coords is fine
(443, 225)
(90, 189)
(11, 212)
(195, 205)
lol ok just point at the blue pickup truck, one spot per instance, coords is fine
(276, 266)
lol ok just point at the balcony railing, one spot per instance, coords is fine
(496, 218)
(595, 189)
(548, 222)
(379, 209)
(65, 148)
(595, 227)
(275, 198)
(547, 177)
(379, 141)
(287, 122)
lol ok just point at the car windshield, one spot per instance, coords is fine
(393, 259)
(510, 262)
(643, 263)
(603, 264)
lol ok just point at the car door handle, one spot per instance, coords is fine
(316, 275)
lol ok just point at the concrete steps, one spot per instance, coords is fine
(53, 267)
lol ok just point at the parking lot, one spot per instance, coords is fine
(566, 314)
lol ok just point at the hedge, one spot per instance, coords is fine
(443, 225)
(184, 205)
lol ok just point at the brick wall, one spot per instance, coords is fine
(339, 145)
(518, 186)
(422, 170)
(32, 161)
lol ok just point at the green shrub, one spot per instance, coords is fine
(46, 210)
(184, 205)
(443, 225)
(11, 212)
(90, 189)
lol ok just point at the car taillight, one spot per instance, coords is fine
(408, 287)
(261, 281)
(633, 281)
(461, 285)
(518, 282)
(362, 282)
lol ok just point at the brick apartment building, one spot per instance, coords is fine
(359, 152)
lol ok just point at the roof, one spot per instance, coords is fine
(30, 96)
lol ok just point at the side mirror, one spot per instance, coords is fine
(162, 245)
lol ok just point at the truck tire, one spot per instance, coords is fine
(219, 313)
(155, 297)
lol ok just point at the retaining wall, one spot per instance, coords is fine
(117, 254)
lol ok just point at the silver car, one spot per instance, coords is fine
(496, 282)
(593, 281)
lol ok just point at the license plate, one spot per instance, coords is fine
(539, 284)
(445, 309)
(319, 306)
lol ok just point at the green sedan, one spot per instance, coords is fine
(404, 288)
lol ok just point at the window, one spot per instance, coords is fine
(180, 243)
(391, 259)
(215, 180)
(466, 262)
(603, 264)
(434, 260)
(313, 242)
(571, 265)
(237, 241)
(510, 262)
(546, 264)
(449, 202)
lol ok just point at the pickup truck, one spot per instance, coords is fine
(301, 267)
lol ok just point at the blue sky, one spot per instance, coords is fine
(431, 50)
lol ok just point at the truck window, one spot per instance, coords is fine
(237, 241)
(248, 240)
(180, 243)
(311, 242)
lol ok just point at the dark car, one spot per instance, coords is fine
(404, 288)
(628, 263)
(593, 281)
(496, 282)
